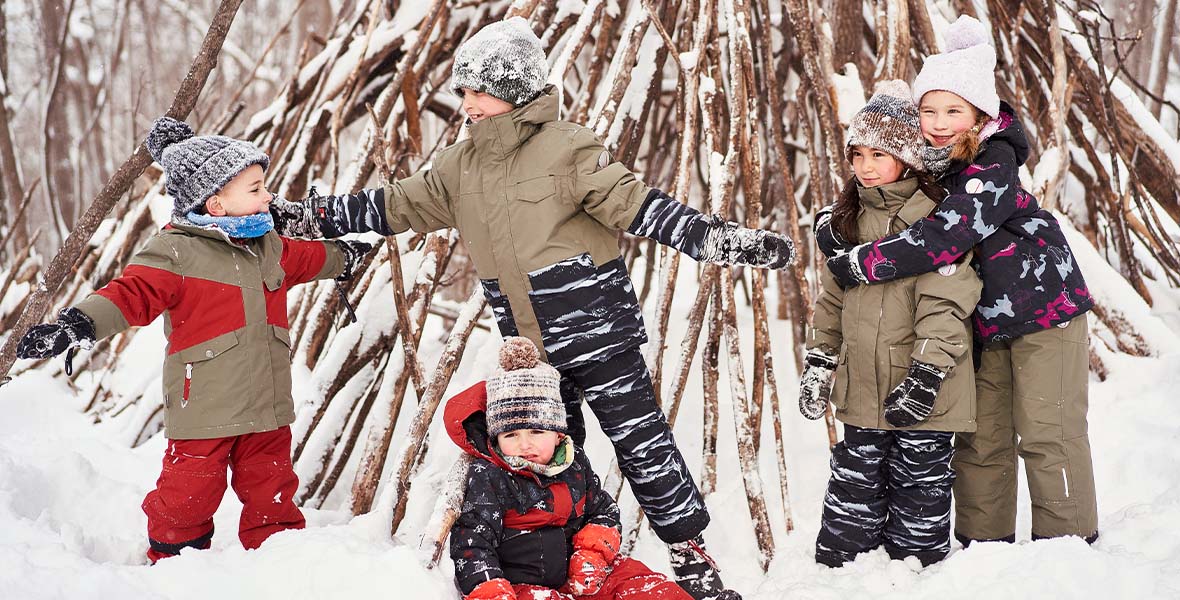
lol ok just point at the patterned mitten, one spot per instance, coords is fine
(492, 589)
(72, 329)
(912, 400)
(815, 385)
(846, 269)
(354, 251)
(829, 241)
(294, 219)
(729, 243)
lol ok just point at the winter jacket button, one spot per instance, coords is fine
(209, 353)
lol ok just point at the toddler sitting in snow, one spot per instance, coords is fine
(535, 522)
(219, 274)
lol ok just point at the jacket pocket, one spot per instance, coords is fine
(536, 189)
(188, 370)
(900, 359)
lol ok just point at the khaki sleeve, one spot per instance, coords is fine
(826, 327)
(422, 201)
(609, 192)
(942, 300)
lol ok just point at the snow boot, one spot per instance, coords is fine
(696, 571)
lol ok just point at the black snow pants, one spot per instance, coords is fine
(890, 488)
(620, 392)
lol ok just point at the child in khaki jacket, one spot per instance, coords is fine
(893, 359)
(539, 203)
(219, 274)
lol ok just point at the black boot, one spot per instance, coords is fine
(966, 541)
(696, 572)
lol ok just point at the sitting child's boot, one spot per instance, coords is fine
(696, 572)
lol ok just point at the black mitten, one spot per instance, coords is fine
(72, 329)
(912, 400)
(729, 243)
(815, 385)
(354, 251)
(846, 269)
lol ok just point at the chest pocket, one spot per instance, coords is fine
(536, 189)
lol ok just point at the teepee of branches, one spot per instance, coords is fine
(732, 106)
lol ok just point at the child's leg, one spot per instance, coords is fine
(536, 592)
(855, 506)
(985, 461)
(632, 580)
(920, 480)
(1050, 403)
(265, 482)
(188, 492)
(571, 397)
(619, 391)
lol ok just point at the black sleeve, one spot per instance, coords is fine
(477, 532)
(671, 223)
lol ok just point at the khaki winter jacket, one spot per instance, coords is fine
(879, 330)
(540, 205)
(227, 369)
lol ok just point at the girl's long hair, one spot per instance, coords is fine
(848, 204)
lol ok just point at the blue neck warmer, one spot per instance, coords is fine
(249, 226)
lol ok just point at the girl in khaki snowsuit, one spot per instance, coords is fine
(893, 359)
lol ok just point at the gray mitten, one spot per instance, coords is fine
(728, 243)
(815, 385)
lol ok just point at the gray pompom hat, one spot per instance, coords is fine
(198, 166)
(504, 59)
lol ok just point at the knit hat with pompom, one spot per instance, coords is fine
(889, 122)
(524, 393)
(966, 67)
(504, 59)
(198, 166)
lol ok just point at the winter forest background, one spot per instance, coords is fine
(733, 106)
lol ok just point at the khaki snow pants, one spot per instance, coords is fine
(1032, 401)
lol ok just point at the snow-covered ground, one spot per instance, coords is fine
(71, 527)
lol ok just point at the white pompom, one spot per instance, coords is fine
(965, 33)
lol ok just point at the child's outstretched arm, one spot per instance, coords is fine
(615, 197)
(148, 286)
(421, 202)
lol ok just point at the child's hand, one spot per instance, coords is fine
(731, 244)
(73, 328)
(492, 589)
(588, 571)
(846, 270)
(353, 251)
(912, 400)
(815, 385)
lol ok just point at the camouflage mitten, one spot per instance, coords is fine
(728, 243)
(294, 219)
(912, 400)
(72, 329)
(815, 385)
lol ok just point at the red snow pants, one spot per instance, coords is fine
(193, 480)
(630, 580)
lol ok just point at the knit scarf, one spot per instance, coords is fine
(249, 226)
(937, 160)
(563, 457)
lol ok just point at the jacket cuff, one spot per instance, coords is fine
(108, 319)
(333, 261)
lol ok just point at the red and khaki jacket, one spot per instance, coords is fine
(227, 369)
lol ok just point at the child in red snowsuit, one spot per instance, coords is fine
(219, 274)
(535, 523)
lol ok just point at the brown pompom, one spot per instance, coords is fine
(518, 353)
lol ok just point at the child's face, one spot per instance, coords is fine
(945, 116)
(244, 195)
(533, 445)
(875, 167)
(480, 105)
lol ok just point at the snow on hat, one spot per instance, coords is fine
(198, 166)
(889, 122)
(504, 59)
(524, 393)
(966, 68)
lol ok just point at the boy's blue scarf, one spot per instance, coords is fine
(249, 226)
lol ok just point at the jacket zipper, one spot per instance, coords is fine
(188, 382)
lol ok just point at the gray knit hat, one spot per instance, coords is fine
(198, 166)
(524, 393)
(889, 122)
(504, 59)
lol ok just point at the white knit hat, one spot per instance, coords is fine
(889, 122)
(966, 68)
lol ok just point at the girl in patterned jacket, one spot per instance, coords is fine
(1030, 325)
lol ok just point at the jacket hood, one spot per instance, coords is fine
(465, 419)
(502, 134)
(1009, 131)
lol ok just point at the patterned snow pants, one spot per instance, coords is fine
(620, 392)
(890, 488)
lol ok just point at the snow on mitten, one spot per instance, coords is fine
(595, 546)
(294, 219)
(912, 400)
(354, 251)
(731, 244)
(815, 385)
(846, 268)
(492, 589)
(73, 328)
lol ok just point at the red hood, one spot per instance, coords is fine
(464, 417)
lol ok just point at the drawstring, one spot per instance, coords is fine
(70, 361)
(705, 555)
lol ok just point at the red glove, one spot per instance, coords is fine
(595, 547)
(492, 589)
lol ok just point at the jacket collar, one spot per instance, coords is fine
(902, 197)
(501, 135)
